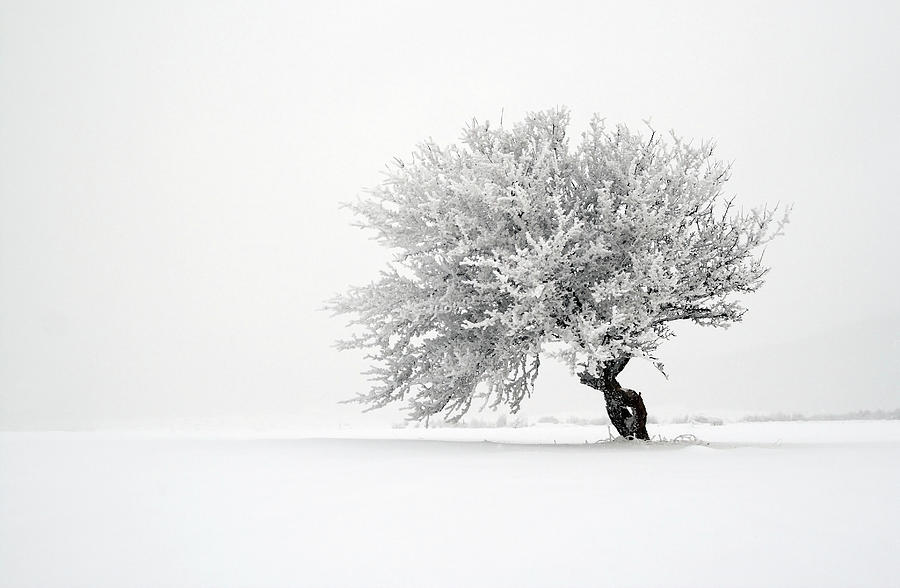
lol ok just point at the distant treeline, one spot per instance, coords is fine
(859, 415)
(697, 419)
(505, 421)
(515, 421)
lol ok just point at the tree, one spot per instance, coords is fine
(513, 245)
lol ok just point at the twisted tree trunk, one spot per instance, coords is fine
(625, 407)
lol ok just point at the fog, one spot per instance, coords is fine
(171, 176)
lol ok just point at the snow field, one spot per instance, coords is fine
(762, 504)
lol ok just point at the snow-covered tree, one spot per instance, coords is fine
(513, 244)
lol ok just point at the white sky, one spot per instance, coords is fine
(170, 175)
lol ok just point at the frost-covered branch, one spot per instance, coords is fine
(513, 239)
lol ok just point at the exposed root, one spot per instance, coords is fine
(684, 439)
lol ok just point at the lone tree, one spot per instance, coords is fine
(513, 244)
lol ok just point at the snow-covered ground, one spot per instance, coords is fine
(794, 504)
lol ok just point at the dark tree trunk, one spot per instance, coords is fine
(625, 407)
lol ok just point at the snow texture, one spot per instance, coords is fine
(752, 504)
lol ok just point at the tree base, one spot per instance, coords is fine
(624, 406)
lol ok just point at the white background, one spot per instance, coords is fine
(171, 173)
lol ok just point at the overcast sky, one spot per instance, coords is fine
(171, 173)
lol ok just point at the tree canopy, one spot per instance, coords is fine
(514, 243)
